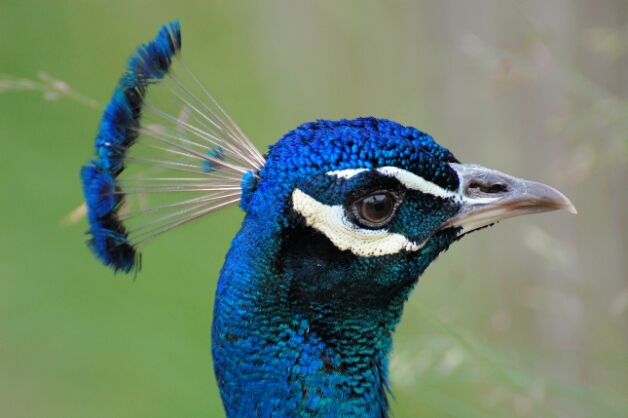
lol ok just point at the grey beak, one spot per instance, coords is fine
(490, 196)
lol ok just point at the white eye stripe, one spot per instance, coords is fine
(405, 177)
(414, 182)
(348, 173)
(333, 223)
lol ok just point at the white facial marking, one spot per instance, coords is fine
(346, 174)
(414, 182)
(345, 235)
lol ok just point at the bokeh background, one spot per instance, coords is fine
(528, 318)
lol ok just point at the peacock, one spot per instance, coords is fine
(341, 219)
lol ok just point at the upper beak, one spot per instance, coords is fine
(490, 196)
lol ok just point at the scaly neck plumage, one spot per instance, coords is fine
(301, 328)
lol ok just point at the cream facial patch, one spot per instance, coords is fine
(345, 235)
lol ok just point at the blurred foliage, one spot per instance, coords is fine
(527, 319)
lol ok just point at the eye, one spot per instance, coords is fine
(374, 210)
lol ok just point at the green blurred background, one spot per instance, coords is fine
(529, 318)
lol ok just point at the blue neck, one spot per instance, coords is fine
(295, 336)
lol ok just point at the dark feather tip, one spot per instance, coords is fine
(152, 61)
(109, 243)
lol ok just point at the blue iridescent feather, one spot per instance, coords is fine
(152, 61)
(216, 153)
(100, 190)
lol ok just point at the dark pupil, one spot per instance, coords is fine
(377, 208)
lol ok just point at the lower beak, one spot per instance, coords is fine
(489, 196)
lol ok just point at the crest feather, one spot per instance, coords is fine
(163, 162)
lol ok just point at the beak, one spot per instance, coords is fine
(489, 196)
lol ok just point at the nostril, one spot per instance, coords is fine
(494, 188)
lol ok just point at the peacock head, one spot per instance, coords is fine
(378, 196)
